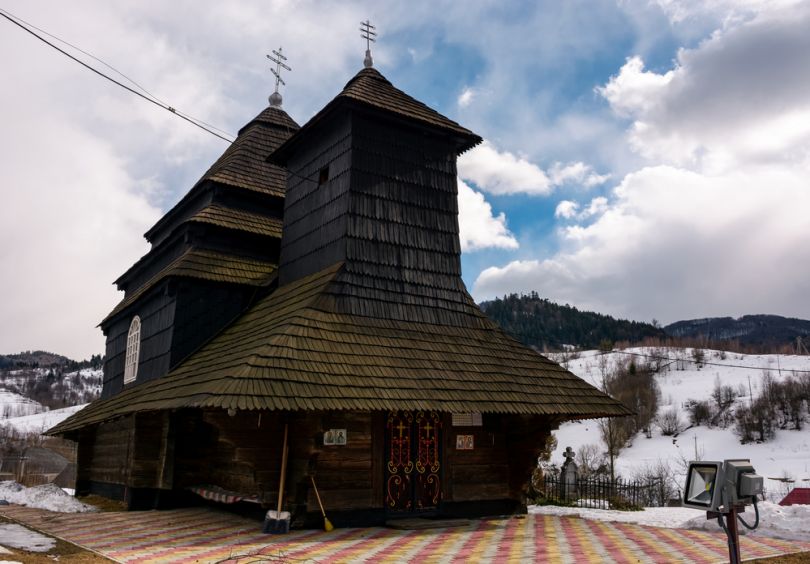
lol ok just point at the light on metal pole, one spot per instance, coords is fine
(723, 489)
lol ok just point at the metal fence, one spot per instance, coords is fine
(603, 493)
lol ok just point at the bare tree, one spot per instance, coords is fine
(669, 422)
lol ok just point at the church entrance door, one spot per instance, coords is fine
(413, 469)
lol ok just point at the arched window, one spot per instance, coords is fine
(133, 350)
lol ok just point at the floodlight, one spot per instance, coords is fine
(703, 485)
(723, 489)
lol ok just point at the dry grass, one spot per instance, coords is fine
(102, 503)
(798, 558)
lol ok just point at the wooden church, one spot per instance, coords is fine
(312, 279)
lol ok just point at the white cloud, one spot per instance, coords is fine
(741, 98)
(466, 97)
(634, 91)
(70, 226)
(575, 173)
(597, 206)
(479, 228)
(716, 222)
(677, 244)
(681, 10)
(566, 209)
(503, 172)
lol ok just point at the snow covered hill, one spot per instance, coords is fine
(40, 422)
(787, 456)
(20, 389)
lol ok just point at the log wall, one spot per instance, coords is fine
(505, 452)
(105, 454)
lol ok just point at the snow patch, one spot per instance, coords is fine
(789, 523)
(46, 496)
(17, 536)
(669, 517)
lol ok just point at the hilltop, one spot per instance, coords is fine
(758, 330)
(548, 326)
(545, 325)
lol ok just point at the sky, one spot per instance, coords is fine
(648, 159)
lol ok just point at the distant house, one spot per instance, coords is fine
(312, 278)
(797, 496)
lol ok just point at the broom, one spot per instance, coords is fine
(278, 522)
(327, 524)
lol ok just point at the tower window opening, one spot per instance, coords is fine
(323, 175)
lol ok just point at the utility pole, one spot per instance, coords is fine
(750, 393)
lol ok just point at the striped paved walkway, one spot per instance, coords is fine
(206, 535)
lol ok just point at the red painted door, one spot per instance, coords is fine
(413, 461)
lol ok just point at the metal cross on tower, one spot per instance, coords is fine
(367, 32)
(275, 97)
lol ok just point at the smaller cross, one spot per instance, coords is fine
(275, 98)
(401, 428)
(367, 33)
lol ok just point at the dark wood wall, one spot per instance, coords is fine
(314, 207)
(387, 205)
(203, 309)
(157, 312)
(242, 453)
(105, 453)
(500, 465)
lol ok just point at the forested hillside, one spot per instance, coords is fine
(769, 331)
(544, 325)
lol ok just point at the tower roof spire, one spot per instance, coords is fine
(275, 97)
(367, 32)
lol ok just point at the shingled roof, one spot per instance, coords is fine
(240, 220)
(369, 88)
(205, 265)
(244, 163)
(300, 349)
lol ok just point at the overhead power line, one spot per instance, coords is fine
(147, 96)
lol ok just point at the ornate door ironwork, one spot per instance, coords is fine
(413, 461)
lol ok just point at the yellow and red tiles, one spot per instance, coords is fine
(206, 535)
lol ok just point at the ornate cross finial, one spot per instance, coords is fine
(367, 32)
(275, 97)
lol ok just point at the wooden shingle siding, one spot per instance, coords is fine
(315, 214)
(203, 309)
(157, 317)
